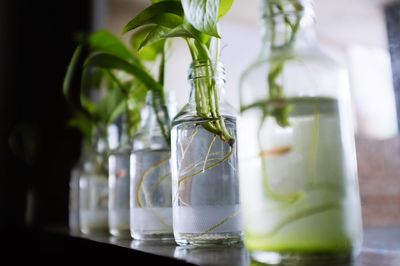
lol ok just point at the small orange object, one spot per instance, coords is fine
(276, 151)
(120, 173)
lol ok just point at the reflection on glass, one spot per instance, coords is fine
(230, 255)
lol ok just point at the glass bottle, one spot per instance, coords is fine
(73, 203)
(206, 206)
(298, 176)
(93, 188)
(119, 185)
(151, 198)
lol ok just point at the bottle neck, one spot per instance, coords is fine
(288, 25)
(207, 80)
(149, 118)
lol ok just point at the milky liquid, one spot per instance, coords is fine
(151, 198)
(93, 204)
(298, 183)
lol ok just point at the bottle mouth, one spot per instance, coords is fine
(274, 8)
(201, 69)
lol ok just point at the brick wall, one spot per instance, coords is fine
(379, 176)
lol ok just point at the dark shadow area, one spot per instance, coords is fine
(37, 149)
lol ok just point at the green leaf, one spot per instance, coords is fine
(137, 92)
(202, 15)
(165, 13)
(136, 101)
(109, 61)
(150, 52)
(161, 33)
(158, 1)
(73, 65)
(158, 34)
(105, 41)
(109, 107)
(83, 123)
(91, 81)
(224, 7)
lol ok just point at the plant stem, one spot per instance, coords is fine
(275, 72)
(206, 94)
(161, 74)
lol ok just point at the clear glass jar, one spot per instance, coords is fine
(206, 206)
(151, 198)
(73, 203)
(298, 175)
(119, 185)
(93, 189)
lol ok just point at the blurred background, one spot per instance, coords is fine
(37, 40)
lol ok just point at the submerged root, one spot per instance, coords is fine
(148, 194)
(212, 228)
(142, 181)
(303, 214)
(220, 161)
(211, 160)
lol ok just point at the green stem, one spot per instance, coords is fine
(161, 74)
(275, 72)
(206, 95)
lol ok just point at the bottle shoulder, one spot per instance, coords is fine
(308, 73)
(189, 113)
(315, 56)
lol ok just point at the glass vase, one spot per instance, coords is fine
(206, 205)
(93, 189)
(298, 174)
(73, 203)
(119, 186)
(150, 199)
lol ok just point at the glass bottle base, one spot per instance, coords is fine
(208, 240)
(120, 233)
(95, 231)
(300, 259)
(168, 237)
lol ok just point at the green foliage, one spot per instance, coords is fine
(114, 81)
(105, 41)
(150, 52)
(73, 65)
(165, 13)
(109, 61)
(196, 21)
(276, 10)
(203, 15)
(224, 7)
